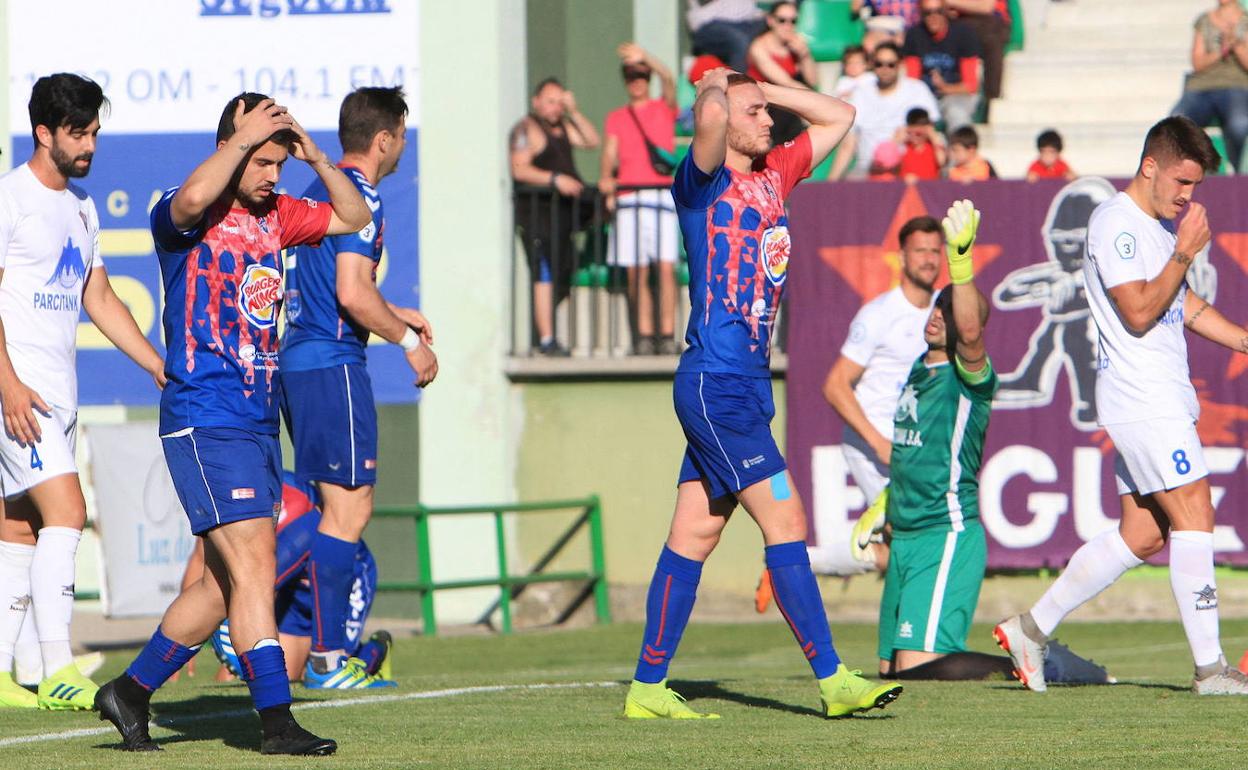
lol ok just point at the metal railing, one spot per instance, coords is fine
(595, 312)
(510, 586)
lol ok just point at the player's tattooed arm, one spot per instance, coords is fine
(1204, 319)
(1182, 257)
(1190, 322)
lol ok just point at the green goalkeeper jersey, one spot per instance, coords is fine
(938, 447)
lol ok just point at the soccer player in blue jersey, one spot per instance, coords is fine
(327, 397)
(730, 193)
(219, 238)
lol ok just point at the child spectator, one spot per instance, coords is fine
(966, 164)
(885, 162)
(853, 69)
(1050, 164)
(925, 148)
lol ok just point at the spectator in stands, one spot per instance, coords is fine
(1217, 88)
(639, 151)
(781, 56)
(883, 29)
(724, 28)
(966, 164)
(882, 108)
(925, 152)
(854, 71)
(1050, 164)
(906, 10)
(541, 156)
(945, 54)
(990, 20)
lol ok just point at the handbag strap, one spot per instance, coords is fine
(651, 146)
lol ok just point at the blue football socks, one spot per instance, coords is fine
(331, 570)
(673, 590)
(159, 659)
(264, 671)
(797, 596)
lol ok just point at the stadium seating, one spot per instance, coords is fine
(830, 27)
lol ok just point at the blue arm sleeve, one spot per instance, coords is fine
(165, 234)
(695, 189)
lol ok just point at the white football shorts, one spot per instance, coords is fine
(1156, 455)
(22, 467)
(645, 229)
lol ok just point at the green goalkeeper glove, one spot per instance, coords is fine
(961, 223)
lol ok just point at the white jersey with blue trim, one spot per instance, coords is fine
(1138, 376)
(49, 244)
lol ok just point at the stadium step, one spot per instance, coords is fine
(1100, 72)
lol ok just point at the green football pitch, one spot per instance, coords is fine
(553, 700)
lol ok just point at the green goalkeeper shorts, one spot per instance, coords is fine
(931, 589)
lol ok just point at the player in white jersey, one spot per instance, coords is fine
(1136, 278)
(50, 267)
(885, 338)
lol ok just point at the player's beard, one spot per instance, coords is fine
(69, 166)
(917, 280)
(747, 145)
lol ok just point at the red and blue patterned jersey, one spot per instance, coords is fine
(319, 332)
(223, 293)
(737, 237)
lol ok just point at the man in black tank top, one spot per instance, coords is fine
(541, 157)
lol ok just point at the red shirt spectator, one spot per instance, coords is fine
(1038, 170)
(658, 121)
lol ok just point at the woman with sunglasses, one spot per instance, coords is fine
(781, 56)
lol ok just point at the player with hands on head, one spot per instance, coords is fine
(729, 192)
(219, 237)
(1137, 281)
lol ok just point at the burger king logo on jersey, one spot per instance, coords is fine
(259, 294)
(775, 248)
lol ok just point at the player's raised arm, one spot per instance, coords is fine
(969, 306)
(1139, 303)
(829, 118)
(111, 316)
(710, 121)
(350, 213)
(210, 178)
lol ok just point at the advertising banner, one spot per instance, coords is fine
(168, 69)
(1047, 482)
(144, 535)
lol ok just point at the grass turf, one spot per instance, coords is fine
(752, 674)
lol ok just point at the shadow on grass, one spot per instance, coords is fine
(210, 717)
(695, 689)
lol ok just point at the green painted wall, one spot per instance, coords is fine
(575, 41)
(621, 441)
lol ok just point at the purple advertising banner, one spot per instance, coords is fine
(1047, 481)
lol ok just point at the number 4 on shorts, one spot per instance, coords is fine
(35, 462)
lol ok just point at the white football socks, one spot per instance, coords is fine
(52, 593)
(1196, 592)
(15, 561)
(27, 659)
(1092, 569)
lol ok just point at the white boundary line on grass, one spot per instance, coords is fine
(320, 704)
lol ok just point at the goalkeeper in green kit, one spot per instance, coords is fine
(938, 547)
(939, 552)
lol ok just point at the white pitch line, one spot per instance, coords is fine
(321, 704)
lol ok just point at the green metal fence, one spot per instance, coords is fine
(510, 586)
